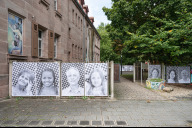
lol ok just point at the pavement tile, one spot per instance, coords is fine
(72, 123)
(109, 123)
(34, 123)
(59, 122)
(121, 123)
(84, 122)
(97, 123)
(47, 122)
(8, 122)
(21, 122)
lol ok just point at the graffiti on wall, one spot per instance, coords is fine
(15, 34)
(155, 85)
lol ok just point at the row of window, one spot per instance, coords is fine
(77, 20)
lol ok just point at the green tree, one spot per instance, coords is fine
(154, 30)
(106, 50)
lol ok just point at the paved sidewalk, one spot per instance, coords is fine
(132, 91)
(47, 112)
(134, 106)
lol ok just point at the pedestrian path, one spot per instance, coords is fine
(128, 90)
(47, 112)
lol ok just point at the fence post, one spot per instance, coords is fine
(10, 78)
(134, 72)
(141, 74)
(112, 79)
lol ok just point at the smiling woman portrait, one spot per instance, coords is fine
(24, 84)
(47, 85)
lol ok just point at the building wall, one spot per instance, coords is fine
(72, 41)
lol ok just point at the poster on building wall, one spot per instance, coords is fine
(15, 34)
(178, 74)
(154, 71)
(23, 79)
(96, 79)
(73, 78)
(48, 78)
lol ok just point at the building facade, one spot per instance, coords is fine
(45, 31)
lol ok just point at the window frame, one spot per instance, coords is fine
(55, 46)
(40, 39)
(56, 5)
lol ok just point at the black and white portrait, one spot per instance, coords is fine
(73, 78)
(23, 79)
(154, 71)
(47, 75)
(96, 79)
(184, 74)
(172, 74)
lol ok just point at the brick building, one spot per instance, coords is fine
(45, 30)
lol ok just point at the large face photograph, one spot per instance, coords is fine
(184, 74)
(154, 71)
(191, 74)
(23, 79)
(73, 78)
(15, 34)
(96, 79)
(172, 74)
(47, 75)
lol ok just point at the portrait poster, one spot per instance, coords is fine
(178, 74)
(15, 34)
(23, 79)
(154, 71)
(172, 74)
(96, 79)
(126, 68)
(73, 79)
(191, 74)
(184, 74)
(48, 78)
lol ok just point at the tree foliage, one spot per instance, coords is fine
(106, 50)
(153, 30)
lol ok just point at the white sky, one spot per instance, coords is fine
(95, 10)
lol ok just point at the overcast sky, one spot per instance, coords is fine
(95, 10)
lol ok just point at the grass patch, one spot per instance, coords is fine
(128, 76)
(84, 98)
(156, 80)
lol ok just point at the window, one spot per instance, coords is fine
(78, 22)
(55, 4)
(40, 43)
(81, 25)
(73, 15)
(55, 47)
(69, 33)
(76, 19)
